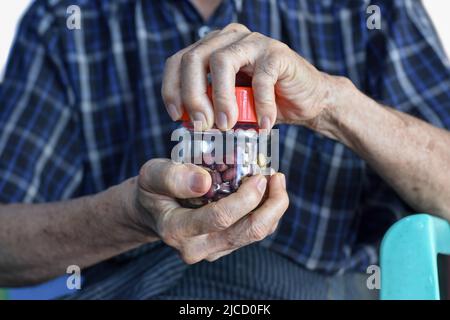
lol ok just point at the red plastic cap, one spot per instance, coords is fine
(245, 103)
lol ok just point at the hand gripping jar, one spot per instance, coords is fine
(229, 156)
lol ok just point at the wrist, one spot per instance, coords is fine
(119, 202)
(341, 97)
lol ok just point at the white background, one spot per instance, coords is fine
(11, 10)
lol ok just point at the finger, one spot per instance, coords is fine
(252, 228)
(191, 250)
(171, 85)
(263, 83)
(224, 64)
(198, 248)
(257, 225)
(163, 176)
(220, 254)
(222, 214)
(193, 73)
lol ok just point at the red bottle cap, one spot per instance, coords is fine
(245, 103)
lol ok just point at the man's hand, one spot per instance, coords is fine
(213, 230)
(286, 87)
(408, 153)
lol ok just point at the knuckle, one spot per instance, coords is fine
(343, 81)
(166, 232)
(268, 68)
(169, 238)
(253, 197)
(258, 231)
(256, 35)
(146, 169)
(236, 27)
(218, 58)
(189, 256)
(279, 46)
(220, 97)
(236, 49)
(265, 85)
(190, 57)
(266, 104)
(220, 216)
(272, 61)
(216, 256)
(189, 259)
(192, 101)
(172, 60)
(212, 259)
(258, 81)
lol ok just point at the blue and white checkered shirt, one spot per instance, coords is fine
(81, 110)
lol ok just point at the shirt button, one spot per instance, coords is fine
(203, 31)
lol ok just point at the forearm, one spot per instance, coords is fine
(410, 154)
(39, 241)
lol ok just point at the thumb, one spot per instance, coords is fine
(163, 176)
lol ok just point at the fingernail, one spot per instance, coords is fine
(265, 123)
(173, 112)
(200, 117)
(283, 180)
(197, 182)
(222, 121)
(262, 184)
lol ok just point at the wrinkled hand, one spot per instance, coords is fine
(211, 231)
(286, 87)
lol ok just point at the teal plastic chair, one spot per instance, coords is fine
(409, 258)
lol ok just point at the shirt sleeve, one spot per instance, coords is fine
(407, 67)
(40, 140)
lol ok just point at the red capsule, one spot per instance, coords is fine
(221, 167)
(216, 178)
(229, 174)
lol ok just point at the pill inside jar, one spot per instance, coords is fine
(229, 157)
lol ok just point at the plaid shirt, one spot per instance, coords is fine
(81, 110)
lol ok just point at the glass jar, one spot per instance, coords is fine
(229, 156)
